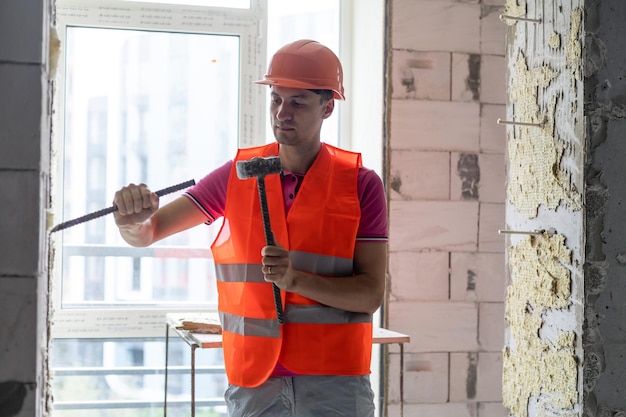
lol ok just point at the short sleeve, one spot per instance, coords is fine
(209, 194)
(373, 199)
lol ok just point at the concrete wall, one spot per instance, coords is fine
(24, 174)
(447, 196)
(604, 337)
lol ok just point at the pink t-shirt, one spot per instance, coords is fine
(209, 195)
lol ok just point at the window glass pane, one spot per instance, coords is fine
(91, 372)
(319, 20)
(141, 106)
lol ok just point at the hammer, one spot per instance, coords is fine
(260, 167)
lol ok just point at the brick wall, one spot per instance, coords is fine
(447, 192)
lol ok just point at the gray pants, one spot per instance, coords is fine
(303, 396)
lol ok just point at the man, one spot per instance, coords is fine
(328, 215)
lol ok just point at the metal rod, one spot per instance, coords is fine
(112, 209)
(504, 17)
(521, 232)
(513, 122)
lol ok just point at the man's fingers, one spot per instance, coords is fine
(146, 198)
(275, 250)
(137, 199)
(153, 199)
(134, 199)
(124, 201)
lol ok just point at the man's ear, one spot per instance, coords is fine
(328, 108)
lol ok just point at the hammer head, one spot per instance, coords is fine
(258, 167)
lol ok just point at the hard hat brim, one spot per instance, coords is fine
(290, 83)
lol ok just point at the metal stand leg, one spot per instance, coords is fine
(193, 379)
(167, 339)
(401, 379)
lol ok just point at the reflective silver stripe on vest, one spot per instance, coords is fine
(303, 261)
(246, 326)
(239, 273)
(321, 264)
(319, 314)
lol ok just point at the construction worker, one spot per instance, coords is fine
(328, 216)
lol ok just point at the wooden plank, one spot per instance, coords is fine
(213, 341)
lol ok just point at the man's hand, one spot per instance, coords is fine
(135, 204)
(361, 292)
(277, 266)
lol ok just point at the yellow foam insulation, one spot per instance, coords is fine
(533, 367)
(554, 41)
(565, 339)
(573, 48)
(511, 8)
(54, 51)
(534, 154)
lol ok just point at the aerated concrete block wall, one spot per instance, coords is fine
(447, 202)
(24, 174)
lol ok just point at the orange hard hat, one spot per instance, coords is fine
(305, 64)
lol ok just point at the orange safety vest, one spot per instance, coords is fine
(320, 233)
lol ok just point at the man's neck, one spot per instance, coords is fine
(298, 160)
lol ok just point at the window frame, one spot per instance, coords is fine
(250, 26)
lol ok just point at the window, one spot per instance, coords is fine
(147, 93)
(154, 94)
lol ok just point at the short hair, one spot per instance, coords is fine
(324, 94)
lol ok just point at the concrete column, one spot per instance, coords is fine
(564, 350)
(24, 174)
(604, 327)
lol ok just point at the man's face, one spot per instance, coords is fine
(296, 115)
